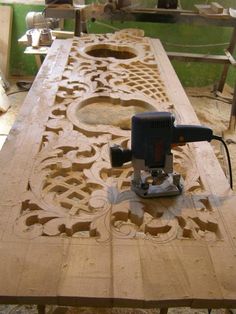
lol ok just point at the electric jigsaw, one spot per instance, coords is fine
(153, 135)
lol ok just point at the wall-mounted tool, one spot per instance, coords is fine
(153, 134)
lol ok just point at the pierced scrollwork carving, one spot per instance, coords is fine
(72, 189)
(184, 163)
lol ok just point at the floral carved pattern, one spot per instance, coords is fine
(72, 189)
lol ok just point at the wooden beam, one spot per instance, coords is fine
(193, 57)
(167, 16)
(62, 34)
(230, 57)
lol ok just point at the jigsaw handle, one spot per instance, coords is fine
(191, 133)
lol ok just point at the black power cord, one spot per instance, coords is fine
(16, 92)
(24, 87)
(218, 138)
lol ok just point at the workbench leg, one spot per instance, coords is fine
(38, 61)
(232, 121)
(164, 310)
(77, 23)
(83, 22)
(226, 66)
(61, 24)
(41, 309)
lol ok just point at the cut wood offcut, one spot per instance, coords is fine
(4, 101)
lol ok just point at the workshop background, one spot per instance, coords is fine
(175, 37)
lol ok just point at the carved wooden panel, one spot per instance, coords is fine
(72, 189)
(66, 208)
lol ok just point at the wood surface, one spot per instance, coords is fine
(72, 232)
(5, 38)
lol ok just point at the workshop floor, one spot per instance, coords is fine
(211, 112)
(31, 309)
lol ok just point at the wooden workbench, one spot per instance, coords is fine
(72, 232)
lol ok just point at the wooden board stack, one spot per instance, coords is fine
(72, 232)
(5, 38)
(5, 44)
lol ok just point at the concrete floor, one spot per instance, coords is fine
(31, 309)
(6, 121)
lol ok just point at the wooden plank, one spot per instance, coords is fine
(84, 275)
(185, 18)
(230, 57)
(216, 7)
(12, 258)
(31, 111)
(79, 225)
(195, 57)
(5, 38)
(40, 287)
(172, 260)
(36, 51)
(212, 11)
(4, 101)
(157, 10)
(62, 34)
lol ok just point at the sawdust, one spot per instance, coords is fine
(108, 114)
(214, 112)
